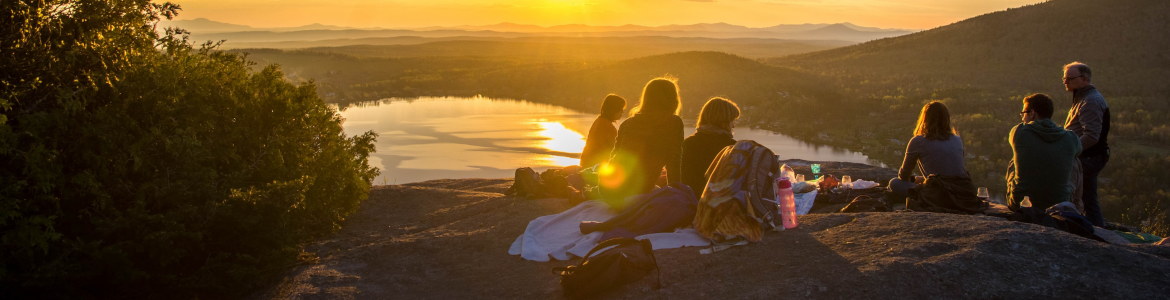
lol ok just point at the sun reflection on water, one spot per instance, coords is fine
(559, 138)
(560, 161)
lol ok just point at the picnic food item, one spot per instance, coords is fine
(828, 182)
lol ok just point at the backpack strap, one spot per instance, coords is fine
(608, 243)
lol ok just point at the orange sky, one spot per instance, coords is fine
(914, 14)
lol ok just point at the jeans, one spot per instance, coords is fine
(1092, 167)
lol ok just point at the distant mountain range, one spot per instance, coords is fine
(709, 27)
(204, 25)
(545, 48)
(204, 29)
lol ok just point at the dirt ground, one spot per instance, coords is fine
(448, 239)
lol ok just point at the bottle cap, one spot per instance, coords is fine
(783, 183)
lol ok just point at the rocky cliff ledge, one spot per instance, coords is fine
(448, 239)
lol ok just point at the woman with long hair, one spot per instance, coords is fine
(935, 149)
(650, 140)
(713, 133)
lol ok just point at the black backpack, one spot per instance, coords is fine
(527, 184)
(627, 261)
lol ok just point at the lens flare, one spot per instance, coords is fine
(611, 175)
(605, 169)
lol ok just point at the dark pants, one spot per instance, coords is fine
(901, 188)
(1092, 167)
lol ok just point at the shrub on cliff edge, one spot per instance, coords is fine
(133, 164)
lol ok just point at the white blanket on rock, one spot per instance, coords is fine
(559, 236)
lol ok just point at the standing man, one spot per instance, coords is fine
(1088, 119)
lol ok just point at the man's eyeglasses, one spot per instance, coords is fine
(1022, 113)
(1067, 79)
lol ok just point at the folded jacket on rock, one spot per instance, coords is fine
(662, 210)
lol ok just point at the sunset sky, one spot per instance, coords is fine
(912, 14)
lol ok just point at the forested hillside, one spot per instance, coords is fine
(574, 84)
(1017, 49)
(984, 66)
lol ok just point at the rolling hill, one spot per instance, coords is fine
(1021, 48)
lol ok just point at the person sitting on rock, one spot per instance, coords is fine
(648, 141)
(603, 133)
(713, 133)
(1043, 156)
(935, 149)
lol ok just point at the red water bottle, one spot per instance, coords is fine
(787, 202)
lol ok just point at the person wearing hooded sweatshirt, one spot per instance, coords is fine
(1043, 156)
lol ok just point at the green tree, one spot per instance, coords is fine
(133, 163)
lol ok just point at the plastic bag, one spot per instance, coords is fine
(863, 184)
(787, 172)
(804, 202)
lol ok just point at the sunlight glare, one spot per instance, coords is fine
(560, 138)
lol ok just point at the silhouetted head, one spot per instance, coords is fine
(612, 107)
(934, 122)
(1037, 106)
(719, 112)
(1077, 75)
(660, 96)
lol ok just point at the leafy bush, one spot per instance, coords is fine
(133, 164)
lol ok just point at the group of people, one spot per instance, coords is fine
(1050, 163)
(633, 157)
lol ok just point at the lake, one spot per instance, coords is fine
(457, 137)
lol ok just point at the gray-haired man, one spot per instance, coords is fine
(1088, 119)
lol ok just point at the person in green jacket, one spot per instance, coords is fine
(1043, 155)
